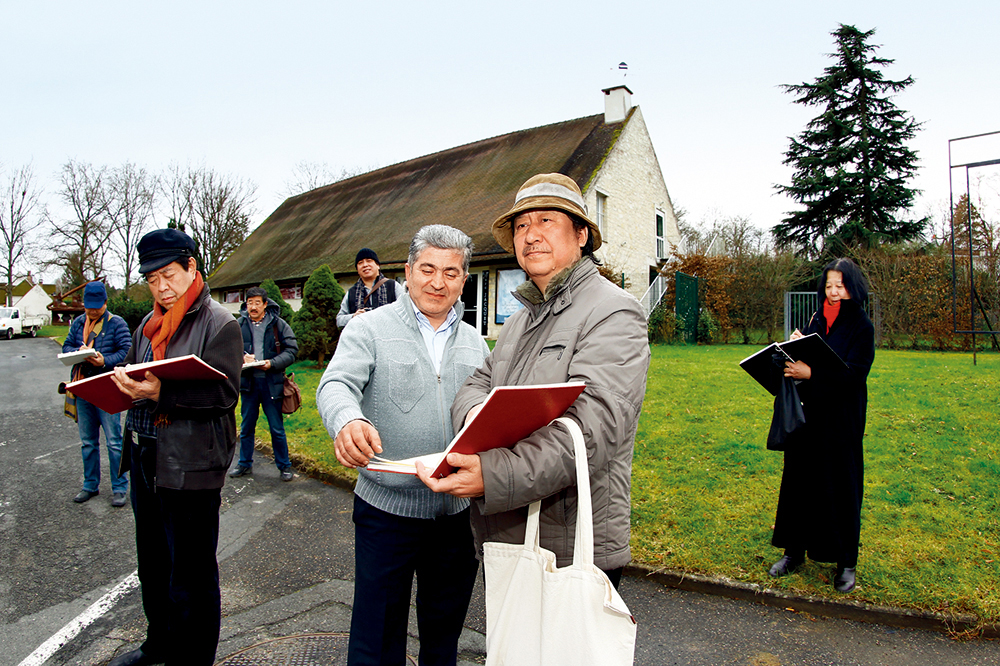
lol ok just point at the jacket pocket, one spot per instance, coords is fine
(405, 384)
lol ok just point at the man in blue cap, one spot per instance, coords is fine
(180, 436)
(107, 334)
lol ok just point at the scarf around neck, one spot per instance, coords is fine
(164, 323)
(91, 329)
(830, 312)
(377, 299)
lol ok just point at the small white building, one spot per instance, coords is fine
(31, 297)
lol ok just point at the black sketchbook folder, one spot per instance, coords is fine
(767, 365)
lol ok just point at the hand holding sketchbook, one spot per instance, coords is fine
(101, 391)
(78, 356)
(509, 414)
(810, 349)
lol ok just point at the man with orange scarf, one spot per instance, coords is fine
(108, 336)
(180, 437)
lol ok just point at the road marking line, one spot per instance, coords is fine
(46, 455)
(82, 621)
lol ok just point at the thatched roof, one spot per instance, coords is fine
(465, 187)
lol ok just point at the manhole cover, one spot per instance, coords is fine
(301, 650)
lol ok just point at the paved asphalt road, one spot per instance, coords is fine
(286, 560)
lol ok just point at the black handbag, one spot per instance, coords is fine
(788, 416)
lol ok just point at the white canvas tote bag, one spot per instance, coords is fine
(538, 614)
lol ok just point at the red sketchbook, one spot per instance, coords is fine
(103, 393)
(509, 414)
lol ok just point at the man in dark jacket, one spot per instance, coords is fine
(372, 290)
(180, 436)
(107, 335)
(267, 339)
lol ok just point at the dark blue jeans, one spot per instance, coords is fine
(388, 551)
(90, 421)
(176, 536)
(251, 401)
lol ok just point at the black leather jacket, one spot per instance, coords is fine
(194, 450)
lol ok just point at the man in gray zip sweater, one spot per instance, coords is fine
(388, 391)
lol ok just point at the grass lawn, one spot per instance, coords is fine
(704, 488)
(58, 333)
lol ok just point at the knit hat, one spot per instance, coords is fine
(366, 253)
(546, 191)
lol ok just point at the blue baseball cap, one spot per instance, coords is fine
(94, 296)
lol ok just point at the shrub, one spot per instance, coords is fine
(665, 326)
(285, 310)
(708, 327)
(131, 311)
(315, 324)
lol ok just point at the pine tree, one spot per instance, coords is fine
(315, 324)
(285, 310)
(851, 162)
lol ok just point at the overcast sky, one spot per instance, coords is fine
(254, 88)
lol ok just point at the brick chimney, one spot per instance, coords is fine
(617, 103)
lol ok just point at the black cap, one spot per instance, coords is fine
(162, 246)
(366, 253)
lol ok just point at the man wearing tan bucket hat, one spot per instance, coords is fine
(575, 326)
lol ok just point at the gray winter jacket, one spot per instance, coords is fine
(382, 372)
(587, 330)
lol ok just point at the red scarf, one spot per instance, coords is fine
(830, 312)
(163, 324)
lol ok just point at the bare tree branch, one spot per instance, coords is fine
(20, 201)
(81, 244)
(130, 192)
(221, 206)
(310, 175)
(177, 188)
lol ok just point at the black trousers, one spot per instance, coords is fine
(389, 550)
(176, 537)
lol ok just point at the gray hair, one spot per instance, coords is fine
(442, 237)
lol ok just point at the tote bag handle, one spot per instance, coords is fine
(583, 544)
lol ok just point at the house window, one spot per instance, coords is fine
(661, 243)
(233, 297)
(291, 293)
(599, 214)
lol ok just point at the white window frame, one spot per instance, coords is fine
(660, 234)
(601, 212)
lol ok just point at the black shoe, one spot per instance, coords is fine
(85, 495)
(240, 470)
(844, 580)
(118, 499)
(286, 475)
(134, 658)
(785, 565)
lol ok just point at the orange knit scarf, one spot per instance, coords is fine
(163, 324)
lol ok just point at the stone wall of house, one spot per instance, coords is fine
(633, 183)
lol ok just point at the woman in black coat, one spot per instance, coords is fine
(819, 505)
